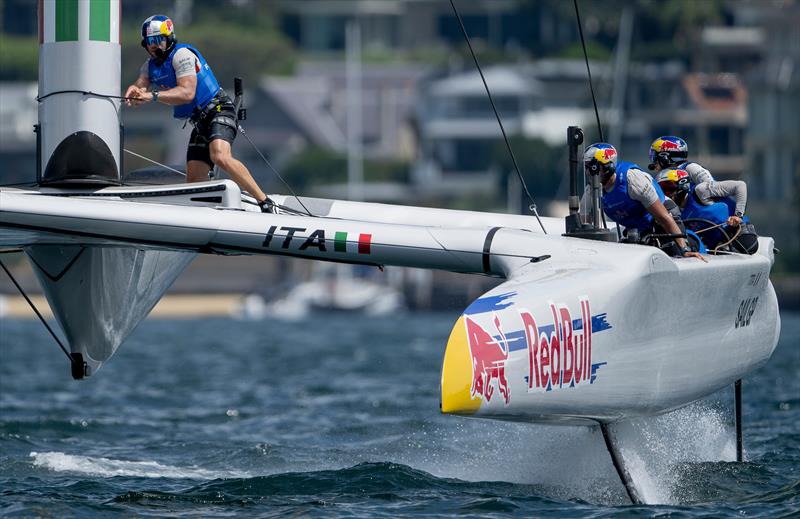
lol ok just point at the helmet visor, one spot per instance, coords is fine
(154, 40)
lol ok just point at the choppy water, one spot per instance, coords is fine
(339, 417)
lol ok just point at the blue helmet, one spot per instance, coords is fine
(667, 151)
(156, 29)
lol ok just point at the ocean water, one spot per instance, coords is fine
(338, 417)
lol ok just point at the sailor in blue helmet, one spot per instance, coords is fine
(669, 151)
(177, 74)
(711, 205)
(631, 197)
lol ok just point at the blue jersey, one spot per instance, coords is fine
(163, 75)
(713, 214)
(621, 208)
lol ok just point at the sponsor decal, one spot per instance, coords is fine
(746, 309)
(489, 357)
(667, 146)
(560, 355)
(558, 348)
(316, 239)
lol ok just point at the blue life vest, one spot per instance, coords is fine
(716, 213)
(163, 76)
(623, 209)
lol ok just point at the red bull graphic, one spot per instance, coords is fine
(562, 357)
(559, 353)
(605, 155)
(489, 357)
(668, 146)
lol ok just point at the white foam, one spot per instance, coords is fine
(106, 467)
(655, 448)
(572, 462)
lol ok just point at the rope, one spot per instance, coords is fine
(735, 235)
(154, 162)
(532, 206)
(84, 92)
(41, 318)
(709, 228)
(589, 71)
(275, 171)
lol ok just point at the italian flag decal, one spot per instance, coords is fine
(340, 242)
(79, 20)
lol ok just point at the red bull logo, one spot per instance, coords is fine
(605, 155)
(489, 358)
(554, 353)
(668, 146)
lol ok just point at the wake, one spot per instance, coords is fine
(107, 467)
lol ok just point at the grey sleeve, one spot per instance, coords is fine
(698, 174)
(185, 63)
(640, 187)
(707, 192)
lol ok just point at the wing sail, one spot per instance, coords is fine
(27, 219)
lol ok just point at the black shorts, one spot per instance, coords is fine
(220, 123)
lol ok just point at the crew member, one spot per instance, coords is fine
(178, 75)
(669, 151)
(710, 205)
(631, 197)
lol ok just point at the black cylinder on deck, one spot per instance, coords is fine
(81, 158)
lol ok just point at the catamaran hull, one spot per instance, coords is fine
(635, 335)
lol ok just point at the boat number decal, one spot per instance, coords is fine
(755, 278)
(316, 239)
(746, 309)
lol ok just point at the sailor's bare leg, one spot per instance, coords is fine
(197, 171)
(221, 155)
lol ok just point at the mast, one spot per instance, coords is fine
(79, 130)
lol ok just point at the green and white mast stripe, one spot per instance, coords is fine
(80, 20)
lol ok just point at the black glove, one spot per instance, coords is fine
(267, 206)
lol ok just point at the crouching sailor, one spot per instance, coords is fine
(713, 210)
(631, 197)
(669, 151)
(178, 75)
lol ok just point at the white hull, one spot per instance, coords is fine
(665, 331)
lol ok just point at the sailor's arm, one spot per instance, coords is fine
(185, 64)
(736, 189)
(139, 86)
(664, 219)
(697, 173)
(179, 95)
(640, 188)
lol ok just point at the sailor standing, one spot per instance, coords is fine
(178, 75)
(630, 196)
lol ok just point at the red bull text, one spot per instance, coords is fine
(562, 358)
